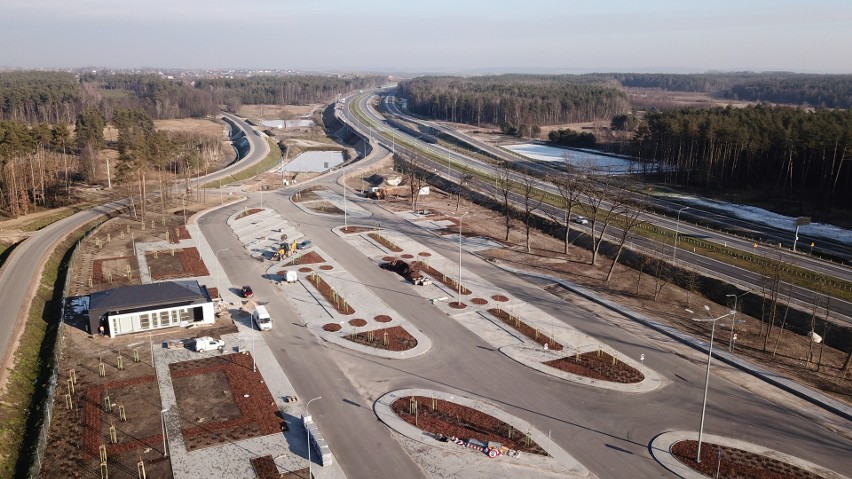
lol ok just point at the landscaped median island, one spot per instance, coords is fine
(598, 365)
(727, 457)
(448, 419)
(450, 435)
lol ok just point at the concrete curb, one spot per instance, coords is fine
(783, 383)
(661, 447)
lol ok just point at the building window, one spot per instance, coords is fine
(164, 318)
(184, 315)
(144, 321)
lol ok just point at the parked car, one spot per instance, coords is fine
(246, 291)
(581, 220)
(206, 343)
(305, 244)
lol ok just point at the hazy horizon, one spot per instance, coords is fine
(466, 37)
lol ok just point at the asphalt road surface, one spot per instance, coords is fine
(608, 432)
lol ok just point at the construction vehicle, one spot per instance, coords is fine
(410, 272)
(376, 194)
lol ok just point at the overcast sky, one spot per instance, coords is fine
(570, 36)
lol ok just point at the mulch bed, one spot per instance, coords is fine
(424, 254)
(500, 297)
(265, 468)
(479, 301)
(339, 302)
(451, 419)
(525, 329)
(248, 392)
(395, 338)
(385, 242)
(388, 259)
(355, 229)
(178, 233)
(382, 318)
(303, 269)
(358, 322)
(326, 267)
(407, 256)
(96, 420)
(311, 257)
(248, 213)
(185, 262)
(331, 327)
(439, 276)
(598, 365)
(457, 305)
(735, 463)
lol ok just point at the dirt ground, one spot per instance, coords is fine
(77, 431)
(277, 112)
(547, 256)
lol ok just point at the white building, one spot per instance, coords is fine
(133, 309)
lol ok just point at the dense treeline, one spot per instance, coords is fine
(826, 91)
(34, 165)
(161, 98)
(572, 138)
(39, 97)
(784, 149)
(514, 102)
(283, 90)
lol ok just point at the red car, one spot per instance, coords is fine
(246, 291)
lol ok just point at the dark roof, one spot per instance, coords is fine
(148, 295)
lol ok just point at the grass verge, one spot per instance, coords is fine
(27, 390)
(267, 163)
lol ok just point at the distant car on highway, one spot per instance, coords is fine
(581, 220)
(246, 291)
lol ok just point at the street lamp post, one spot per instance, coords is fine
(734, 319)
(345, 216)
(677, 230)
(308, 432)
(707, 376)
(458, 298)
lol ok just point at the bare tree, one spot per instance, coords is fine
(463, 181)
(414, 178)
(605, 206)
(503, 183)
(569, 188)
(662, 274)
(629, 221)
(532, 200)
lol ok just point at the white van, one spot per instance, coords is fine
(261, 317)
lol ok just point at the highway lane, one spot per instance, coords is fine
(754, 231)
(840, 310)
(21, 271)
(608, 432)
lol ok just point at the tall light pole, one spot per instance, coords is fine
(458, 298)
(734, 319)
(677, 229)
(219, 286)
(345, 209)
(308, 432)
(165, 434)
(707, 376)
